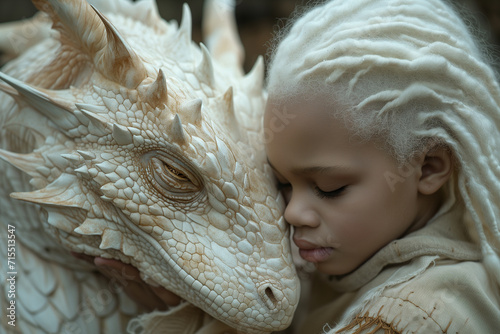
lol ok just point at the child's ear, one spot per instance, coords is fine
(436, 169)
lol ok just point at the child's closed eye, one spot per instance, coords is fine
(286, 190)
(282, 186)
(329, 194)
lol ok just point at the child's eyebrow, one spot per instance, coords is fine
(317, 169)
(323, 169)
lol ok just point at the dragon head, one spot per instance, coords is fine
(149, 151)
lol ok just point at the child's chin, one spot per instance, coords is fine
(335, 268)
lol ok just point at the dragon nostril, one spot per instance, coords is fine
(270, 295)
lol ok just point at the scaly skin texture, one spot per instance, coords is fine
(123, 139)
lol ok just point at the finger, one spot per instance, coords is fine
(130, 283)
(143, 295)
(168, 297)
(134, 286)
(124, 271)
(84, 257)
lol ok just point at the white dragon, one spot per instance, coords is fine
(123, 139)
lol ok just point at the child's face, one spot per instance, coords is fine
(336, 189)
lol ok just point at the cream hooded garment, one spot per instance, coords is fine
(410, 70)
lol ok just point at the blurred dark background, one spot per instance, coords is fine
(257, 19)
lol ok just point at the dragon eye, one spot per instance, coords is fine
(171, 178)
(176, 173)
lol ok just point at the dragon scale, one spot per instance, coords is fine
(123, 139)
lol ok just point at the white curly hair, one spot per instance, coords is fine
(411, 71)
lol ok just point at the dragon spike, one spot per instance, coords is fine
(191, 111)
(25, 162)
(58, 193)
(83, 171)
(255, 78)
(97, 124)
(122, 135)
(156, 94)
(219, 27)
(128, 248)
(144, 11)
(228, 98)
(185, 27)
(72, 158)
(176, 132)
(111, 239)
(153, 14)
(91, 226)
(205, 68)
(58, 111)
(60, 221)
(119, 62)
(229, 113)
(91, 108)
(86, 155)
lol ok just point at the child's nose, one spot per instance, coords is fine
(299, 213)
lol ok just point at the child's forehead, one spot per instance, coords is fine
(307, 121)
(307, 109)
(320, 98)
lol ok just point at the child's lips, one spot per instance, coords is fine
(311, 252)
(316, 254)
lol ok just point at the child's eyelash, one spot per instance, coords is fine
(329, 194)
(283, 186)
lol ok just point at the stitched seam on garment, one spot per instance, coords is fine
(429, 315)
(366, 321)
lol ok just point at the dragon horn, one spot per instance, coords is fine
(84, 27)
(51, 104)
(25, 162)
(119, 62)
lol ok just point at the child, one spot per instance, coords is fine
(382, 128)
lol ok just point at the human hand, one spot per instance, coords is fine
(151, 298)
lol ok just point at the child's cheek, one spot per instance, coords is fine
(352, 224)
(363, 217)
